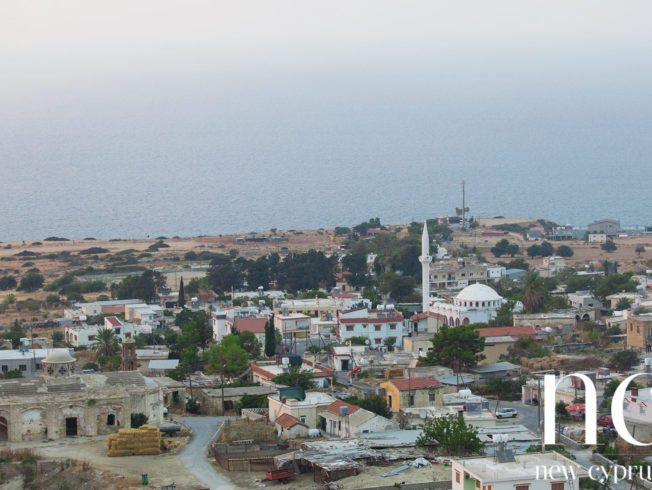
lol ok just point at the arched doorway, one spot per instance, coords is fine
(4, 429)
(110, 419)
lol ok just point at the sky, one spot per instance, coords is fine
(67, 50)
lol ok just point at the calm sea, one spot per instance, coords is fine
(192, 159)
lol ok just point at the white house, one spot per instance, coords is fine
(87, 334)
(374, 324)
(345, 420)
(518, 474)
(637, 410)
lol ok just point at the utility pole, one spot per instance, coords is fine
(463, 208)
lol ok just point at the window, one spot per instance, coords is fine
(90, 337)
(349, 328)
(364, 325)
(411, 400)
(110, 419)
(457, 476)
(638, 329)
(5, 368)
(377, 340)
(22, 367)
(431, 397)
(642, 409)
(339, 425)
(392, 326)
(117, 331)
(557, 486)
(377, 328)
(521, 487)
(477, 484)
(303, 419)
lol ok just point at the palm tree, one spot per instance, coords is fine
(106, 344)
(534, 293)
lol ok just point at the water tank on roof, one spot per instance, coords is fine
(344, 411)
(465, 392)
(500, 438)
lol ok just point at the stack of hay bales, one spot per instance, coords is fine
(169, 445)
(145, 440)
(393, 373)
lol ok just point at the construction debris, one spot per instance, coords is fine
(146, 440)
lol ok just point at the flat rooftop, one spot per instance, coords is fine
(524, 468)
(13, 355)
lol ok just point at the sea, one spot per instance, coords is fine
(208, 155)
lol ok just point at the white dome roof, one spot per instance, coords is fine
(59, 356)
(478, 292)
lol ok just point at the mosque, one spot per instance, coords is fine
(63, 403)
(476, 303)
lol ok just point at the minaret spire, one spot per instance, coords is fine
(425, 260)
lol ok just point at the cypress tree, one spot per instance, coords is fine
(270, 337)
(182, 295)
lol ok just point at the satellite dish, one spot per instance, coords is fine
(366, 341)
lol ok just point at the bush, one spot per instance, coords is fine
(192, 406)
(138, 419)
(93, 251)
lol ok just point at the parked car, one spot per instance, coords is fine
(506, 413)
(606, 421)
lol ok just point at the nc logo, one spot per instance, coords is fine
(590, 419)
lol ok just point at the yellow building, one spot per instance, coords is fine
(413, 392)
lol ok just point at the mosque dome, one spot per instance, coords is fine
(59, 357)
(478, 293)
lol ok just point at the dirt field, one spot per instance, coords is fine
(369, 477)
(161, 470)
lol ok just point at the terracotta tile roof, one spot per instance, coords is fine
(335, 407)
(415, 383)
(114, 320)
(521, 331)
(254, 325)
(287, 421)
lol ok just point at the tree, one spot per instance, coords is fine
(455, 347)
(10, 299)
(504, 315)
(451, 433)
(623, 304)
(296, 377)
(138, 419)
(534, 293)
(624, 360)
(270, 337)
(12, 374)
(564, 251)
(500, 248)
(356, 265)
(249, 342)
(7, 282)
(195, 326)
(106, 345)
(389, 343)
(375, 404)
(57, 337)
(639, 250)
(31, 281)
(546, 249)
(228, 360)
(182, 295)
(533, 251)
(609, 246)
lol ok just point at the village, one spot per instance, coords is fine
(408, 356)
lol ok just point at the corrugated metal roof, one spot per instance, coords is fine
(163, 363)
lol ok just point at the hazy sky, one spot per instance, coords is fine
(70, 49)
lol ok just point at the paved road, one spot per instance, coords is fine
(193, 457)
(527, 414)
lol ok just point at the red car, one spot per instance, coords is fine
(606, 421)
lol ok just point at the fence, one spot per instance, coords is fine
(434, 485)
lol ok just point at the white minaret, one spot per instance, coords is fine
(425, 260)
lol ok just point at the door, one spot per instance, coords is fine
(4, 429)
(345, 364)
(71, 426)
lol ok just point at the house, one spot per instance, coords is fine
(95, 308)
(253, 325)
(637, 410)
(522, 472)
(503, 369)
(289, 427)
(158, 367)
(498, 340)
(342, 356)
(418, 344)
(597, 238)
(305, 406)
(609, 227)
(377, 325)
(345, 420)
(425, 322)
(583, 299)
(639, 332)
(143, 313)
(413, 392)
(265, 371)
(86, 334)
(210, 399)
(567, 318)
(292, 325)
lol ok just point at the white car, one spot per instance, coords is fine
(506, 413)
